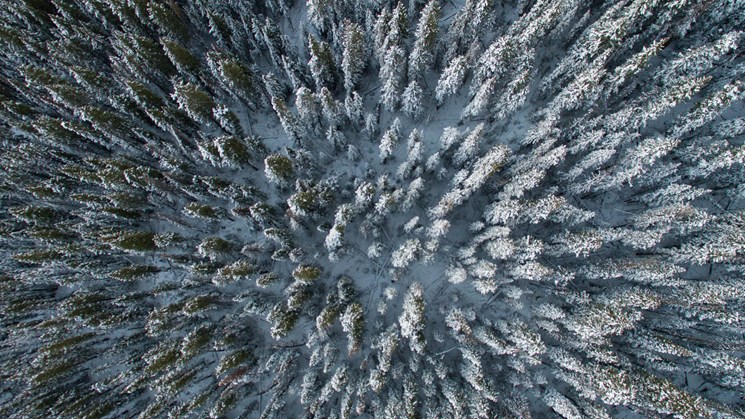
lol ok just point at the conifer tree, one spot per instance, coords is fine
(390, 139)
(425, 40)
(287, 119)
(412, 318)
(332, 110)
(451, 79)
(411, 101)
(354, 59)
(197, 103)
(353, 105)
(278, 169)
(392, 74)
(318, 12)
(321, 63)
(308, 109)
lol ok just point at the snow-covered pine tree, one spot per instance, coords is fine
(197, 103)
(389, 141)
(392, 73)
(411, 100)
(321, 63)
(288, 120)
(309, 110)
(354, 58)
(451, 79)
(425, 41)
(412, 318)
(354, 107)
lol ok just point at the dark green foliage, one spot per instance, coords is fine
(195, 101)
(166, 16)
(163, 360)
(279, 168)
(214, 247)
(200, 303)
(311, 199)
(39, 256)
(267, 279)
(241, 152)
(141, 241)
(306, 273)
(283, 320)
(321, 63)
(131, 273)
(181, 57)
(353, 322)
(241, 80)
(196, 341)
(203, 211)
(53, 370)
(52, 234)
(281, 236)
(67, 344)
(37, 215)
(144, 96)
(123, 213)
(233, 360)
(327, 317)
(238, 269)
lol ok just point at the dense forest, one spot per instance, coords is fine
(338, 209)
